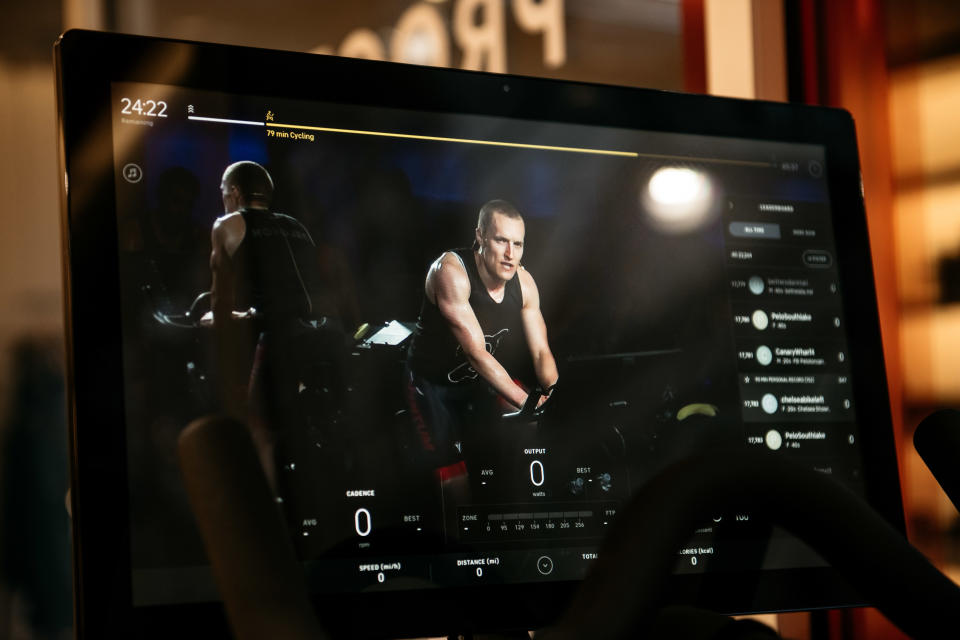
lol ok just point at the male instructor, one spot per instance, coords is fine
(480, 317)
(266, 262)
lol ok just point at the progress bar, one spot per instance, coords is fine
(749, 163)
(492, 143)
(253, 123)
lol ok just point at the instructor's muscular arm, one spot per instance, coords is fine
(536, 332)
(226, 235)
(222, 289)
(449, 287)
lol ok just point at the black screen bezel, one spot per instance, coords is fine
(87, 64)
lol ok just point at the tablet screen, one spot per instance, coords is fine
(682, 290)
(465, 317)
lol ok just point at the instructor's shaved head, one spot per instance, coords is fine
(250, 179)
(495, 206)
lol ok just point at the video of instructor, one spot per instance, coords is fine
(445, 335)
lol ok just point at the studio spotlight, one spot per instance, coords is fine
(678, 199)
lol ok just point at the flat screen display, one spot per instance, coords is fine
(462, 339)
(686, 297)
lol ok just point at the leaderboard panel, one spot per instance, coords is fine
(792, 350)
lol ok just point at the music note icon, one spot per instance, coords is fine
(132, 173)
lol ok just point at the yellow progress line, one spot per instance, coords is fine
(492, 143)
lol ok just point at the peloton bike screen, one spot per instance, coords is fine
(657, 275)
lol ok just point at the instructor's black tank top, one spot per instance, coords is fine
(437, 356)
(278, 272)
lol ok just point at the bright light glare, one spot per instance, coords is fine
(676, 186)
(678, 199)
